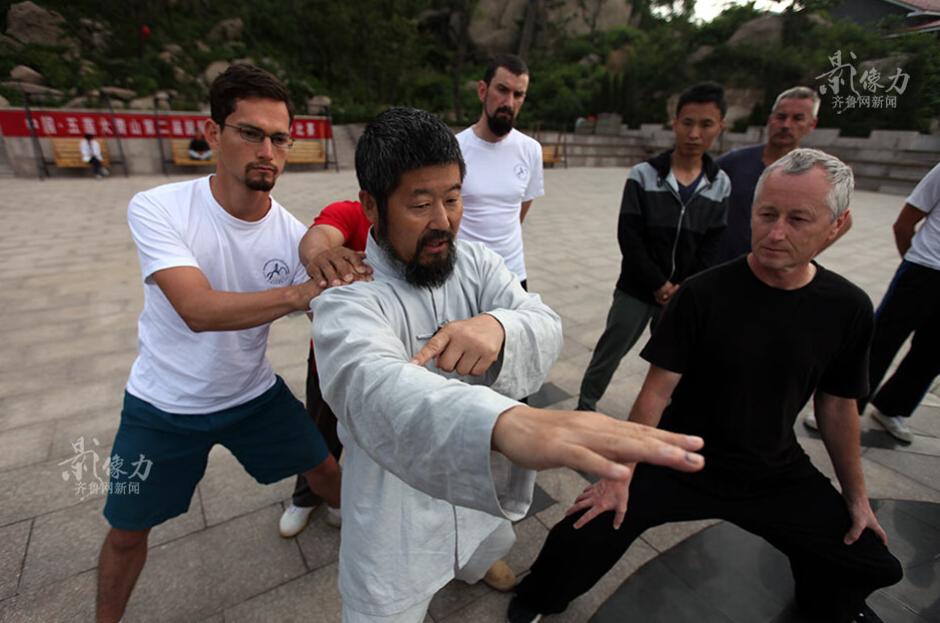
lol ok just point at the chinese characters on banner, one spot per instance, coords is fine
(870, 91)
(65, 124)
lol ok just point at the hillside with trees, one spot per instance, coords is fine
(586, 56)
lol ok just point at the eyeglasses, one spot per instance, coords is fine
(251, 134)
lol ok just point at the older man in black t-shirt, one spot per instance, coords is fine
(738, 352)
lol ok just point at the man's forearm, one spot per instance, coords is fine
(839, 427)
(233, 311)
(902, 238)
(905, 226)
(524, 210)
(318, 239)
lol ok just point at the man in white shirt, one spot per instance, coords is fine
(910, 306)
(422, 367)
(504, 166)
(220, 262)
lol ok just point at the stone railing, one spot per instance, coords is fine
(886, 161)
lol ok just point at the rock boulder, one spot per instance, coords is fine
(213, 70)
(119, 93)
(766, 30)
(23, 73)
(227, 30)
(30, 23)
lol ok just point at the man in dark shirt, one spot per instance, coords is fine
(737, 353)
(794, 116)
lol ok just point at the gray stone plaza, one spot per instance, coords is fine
(70, 294)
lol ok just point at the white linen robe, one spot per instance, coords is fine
(421, 486)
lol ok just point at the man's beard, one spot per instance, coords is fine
(500, 125)
(430, 275)
(262, 182)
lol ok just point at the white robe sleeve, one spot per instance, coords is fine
(432, 432)
(533, 331)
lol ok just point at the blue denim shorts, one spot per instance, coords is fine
(158, 458)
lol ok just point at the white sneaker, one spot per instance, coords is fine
(896, 426)
(333, 517)
(294, 520)
(810, 421)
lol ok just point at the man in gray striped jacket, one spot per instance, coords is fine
(673, 212)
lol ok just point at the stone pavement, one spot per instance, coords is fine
(70, 294)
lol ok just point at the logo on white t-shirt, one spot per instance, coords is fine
(521, 171)
(276, 272)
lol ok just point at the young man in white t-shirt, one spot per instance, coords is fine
(910, 306)
(504, 166)
(220, 262)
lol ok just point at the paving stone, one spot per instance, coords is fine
(25, 445)
(31, 380)
(61, 402)
(490, 607)
(67, 542)
(100, 425)
(455, 596)
(563, 485)
(229, 491)
(319, 541)
(926, 419)
(917, 467)
(71, 600)
(41, 488)
(213, 569)
(885, 483)
(573, 348)
(13, 540)
(530, 536)
(311, 597)
(567, 374)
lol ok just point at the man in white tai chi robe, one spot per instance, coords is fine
(422, 367)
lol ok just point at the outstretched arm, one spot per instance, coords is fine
(612, 493)
(205, 309)
(438, 434)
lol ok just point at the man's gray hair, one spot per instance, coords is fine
(799, 93)
(802, 160)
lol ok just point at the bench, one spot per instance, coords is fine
(551, 155)
(181, 157)
(307, 152)
(68, 154)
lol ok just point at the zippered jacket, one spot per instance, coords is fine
(660, 238)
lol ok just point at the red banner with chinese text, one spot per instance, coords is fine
(66, 123)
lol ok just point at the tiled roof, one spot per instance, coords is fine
(923, 5)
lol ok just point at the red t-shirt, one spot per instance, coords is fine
(348, 218)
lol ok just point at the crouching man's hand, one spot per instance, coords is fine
(589, 442)
(468, 346)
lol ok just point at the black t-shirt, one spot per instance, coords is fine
(751, 356)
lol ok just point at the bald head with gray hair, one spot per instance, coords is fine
(800, 93)
(799, 161)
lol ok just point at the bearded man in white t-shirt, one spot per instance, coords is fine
(219, 260)
(504, 166)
